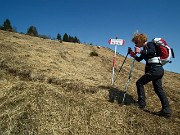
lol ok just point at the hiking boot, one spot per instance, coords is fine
(140, 106)
(164, 114)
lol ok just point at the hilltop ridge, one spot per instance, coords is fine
(48, 87)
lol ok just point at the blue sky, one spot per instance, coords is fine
(96, 21)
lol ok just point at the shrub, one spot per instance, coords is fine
(94, 53)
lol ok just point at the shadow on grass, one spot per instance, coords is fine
(116, 95)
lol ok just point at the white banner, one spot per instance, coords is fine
(116, 41)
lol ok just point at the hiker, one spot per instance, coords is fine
(153, 72)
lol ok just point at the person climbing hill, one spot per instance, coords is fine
(153, 72)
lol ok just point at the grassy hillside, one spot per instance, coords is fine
(53, 88)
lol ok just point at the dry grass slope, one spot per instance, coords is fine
(53, 88)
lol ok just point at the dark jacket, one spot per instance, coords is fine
(148, 52)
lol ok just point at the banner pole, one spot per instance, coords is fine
(115, 42)
(114, 63)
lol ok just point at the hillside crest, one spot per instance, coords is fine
(48, 87)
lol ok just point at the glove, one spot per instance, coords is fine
(132, 54)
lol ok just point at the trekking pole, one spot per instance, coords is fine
(126, 87)
(129, 49)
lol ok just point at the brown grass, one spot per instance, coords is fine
(53, 88)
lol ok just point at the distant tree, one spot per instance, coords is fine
(65, 37)
(59, 37)
(76, 40)
(7, 25)
(71, 39)
(32, 31)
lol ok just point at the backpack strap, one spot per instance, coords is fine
(172, 52)
(154, 60)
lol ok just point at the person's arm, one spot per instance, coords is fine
(149, 51)
(139, 58)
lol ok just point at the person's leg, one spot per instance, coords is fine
(162, 96)
(157, 84)
(140, 88)
(160, 92)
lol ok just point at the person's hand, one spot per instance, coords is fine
(132, 54)
(137, 50)
(129, 50)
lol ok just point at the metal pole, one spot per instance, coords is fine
(122, 64)
(126, 87)
(121, 67)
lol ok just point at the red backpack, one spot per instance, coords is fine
(163, 50)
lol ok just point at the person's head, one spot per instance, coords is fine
(139, 39)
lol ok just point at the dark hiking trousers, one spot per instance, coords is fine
(154, 73)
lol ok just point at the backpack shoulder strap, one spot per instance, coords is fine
(172, 53)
